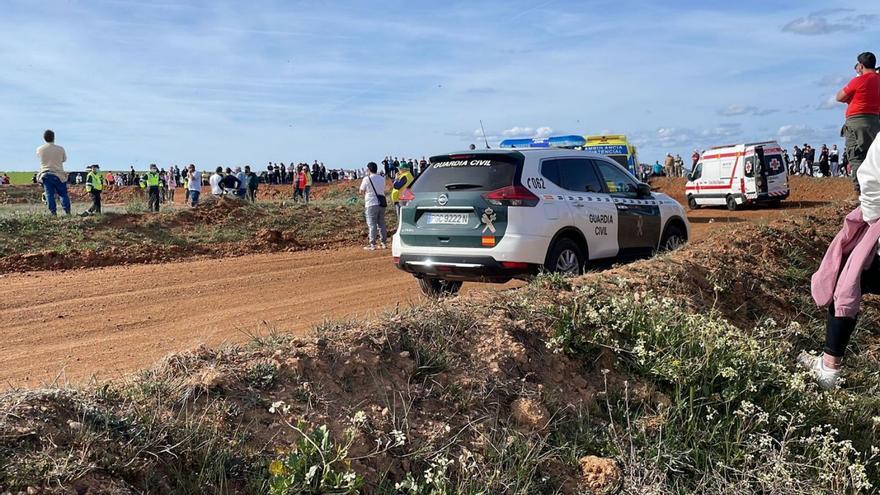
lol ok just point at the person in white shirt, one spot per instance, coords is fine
(373, 187)
(194, 185)
(215, 179)
(52, 175)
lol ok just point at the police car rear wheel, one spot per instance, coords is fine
(566, 257)
(731, 203)
(433, 287)
(673, 239)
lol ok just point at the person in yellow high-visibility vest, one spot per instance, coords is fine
(94, 186)
(150, 182)
(403, 181)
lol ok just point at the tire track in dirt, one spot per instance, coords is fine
(109, 321)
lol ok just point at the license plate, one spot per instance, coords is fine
(447, 218)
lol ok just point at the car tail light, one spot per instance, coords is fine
(406, 196)
(396, 260)
(512, 196)
(514, 265)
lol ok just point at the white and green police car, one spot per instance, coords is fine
(495, 215)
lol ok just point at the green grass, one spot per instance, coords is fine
(20, 178)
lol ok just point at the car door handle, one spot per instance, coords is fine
(579, 205)
(622, 207)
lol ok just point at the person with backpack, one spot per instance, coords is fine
(373, 188)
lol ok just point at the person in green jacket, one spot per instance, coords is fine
(94, 186)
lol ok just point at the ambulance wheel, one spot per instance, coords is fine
(565, 257)
(731, 203)
(692, 203)
(436, 288)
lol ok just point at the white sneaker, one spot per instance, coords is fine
(383, 246)
(828, 379)
(369, 248)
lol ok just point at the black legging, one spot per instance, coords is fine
(839, 330)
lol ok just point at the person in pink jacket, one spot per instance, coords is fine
(850, 269)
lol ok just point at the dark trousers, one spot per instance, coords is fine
(839, 330)
(96, 201)
(153, 194)
(252, 194)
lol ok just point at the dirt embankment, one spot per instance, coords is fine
(471, 379)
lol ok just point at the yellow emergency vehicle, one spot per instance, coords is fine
(616, 147)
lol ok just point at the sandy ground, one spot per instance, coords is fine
(79, 324)
(70, 326)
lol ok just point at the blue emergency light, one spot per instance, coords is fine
(551, 142)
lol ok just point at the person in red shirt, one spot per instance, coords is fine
(862, 98)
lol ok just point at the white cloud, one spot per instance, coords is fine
(527, 132)
(735, 110)
(829, 103)
(829, 21)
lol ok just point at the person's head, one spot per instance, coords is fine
(49, 136)
(192, 167)
(228, 170)
(247, 169)
(219, 170)
(95, 167)
(237, 169)
(153, 167)
(834, 146)
(866, 62)
(372, 167)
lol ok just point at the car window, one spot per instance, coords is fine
(697, 172)
(617, 181)
(477, 172)
(572, 174)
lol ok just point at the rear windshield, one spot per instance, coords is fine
(478, 172)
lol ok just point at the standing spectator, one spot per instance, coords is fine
(172, 182)
(52, 175)
(824, 168)
(94, 186)
(657, 169)
(323, 173)
(193, 185)
(374, 203)
(251, 183)
(809, 159)
(423, 165)
(304, 182)
(150, 182)
(787, 160)
(798, 156)
(669, 165)
(862, 98)
(404, 180)
(214, 181)
(242, 183)
(229, 183)
(834, 159)
(111, 180)
(132, 176)
(679, 166)
(850, 269)
(695, 158)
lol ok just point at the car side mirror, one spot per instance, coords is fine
(644, 190)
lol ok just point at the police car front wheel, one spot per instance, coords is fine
(565, 257)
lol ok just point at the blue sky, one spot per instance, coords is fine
(124, 82)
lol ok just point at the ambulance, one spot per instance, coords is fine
(616, 147)
(737, 175)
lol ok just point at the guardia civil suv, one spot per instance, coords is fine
(495, 215)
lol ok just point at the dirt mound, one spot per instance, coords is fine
(449, 391)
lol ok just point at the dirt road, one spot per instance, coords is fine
(110, 321)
